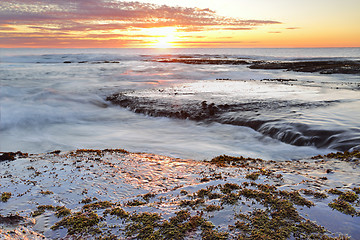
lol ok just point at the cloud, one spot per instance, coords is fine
(292, 28)
(50, 17)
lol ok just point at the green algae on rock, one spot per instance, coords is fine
(344, 156)
(80, 222)
(227, 207)
(5, 196)
(343, 206)
(97, 205)
(119, 212)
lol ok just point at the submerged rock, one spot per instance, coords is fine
(322, 67)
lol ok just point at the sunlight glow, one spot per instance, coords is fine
(165, 37)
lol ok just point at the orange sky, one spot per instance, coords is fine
(160, 23)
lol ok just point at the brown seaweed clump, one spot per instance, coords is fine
(5, 196)
(344, 156)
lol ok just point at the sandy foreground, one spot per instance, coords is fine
(114, 194)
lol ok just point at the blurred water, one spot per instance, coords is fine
(55, 99)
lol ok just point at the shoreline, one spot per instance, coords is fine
(114, 193)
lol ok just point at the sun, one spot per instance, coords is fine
(165, 37)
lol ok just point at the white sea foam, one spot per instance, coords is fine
(55, 99)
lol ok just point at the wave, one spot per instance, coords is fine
(273, 117)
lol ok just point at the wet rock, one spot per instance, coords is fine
(9, 156)
(254, 114)
(323, 67)
(11, 219)
(204, 61)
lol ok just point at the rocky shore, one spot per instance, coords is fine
(115, 194)
(322, 67)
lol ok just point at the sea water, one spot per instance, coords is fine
(55, 99)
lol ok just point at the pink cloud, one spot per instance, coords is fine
(49, 18)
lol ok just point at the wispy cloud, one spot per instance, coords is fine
(50, 17)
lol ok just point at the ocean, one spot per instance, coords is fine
(151, 100)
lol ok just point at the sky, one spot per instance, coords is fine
(179, 24)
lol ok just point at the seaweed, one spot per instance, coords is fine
(79, 222)
(135, 203)
(344, 156)
(5, 196)
(316, 194)
(225, 160)
(212, 208)
(349, 196)
(41, 209)
(191, 203)
(343, 206)
(229, 187)
(47, 192)
(62, 211)
(97, 205)
(253, 176)
(148, 196)
(335, 191)
(121, 213)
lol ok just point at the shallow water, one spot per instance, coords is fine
(56, 99)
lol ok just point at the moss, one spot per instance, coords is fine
(62, 211)
(349, 196)
(47, 192)
(212, 208)
(343, 206)
(135, 203)
(5, 196)
(356, 190)
(121, 213)
(79, 222)
(253, 176)
(97, 205)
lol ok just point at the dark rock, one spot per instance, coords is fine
(9, 156)
(323, 67)
(11, 219)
